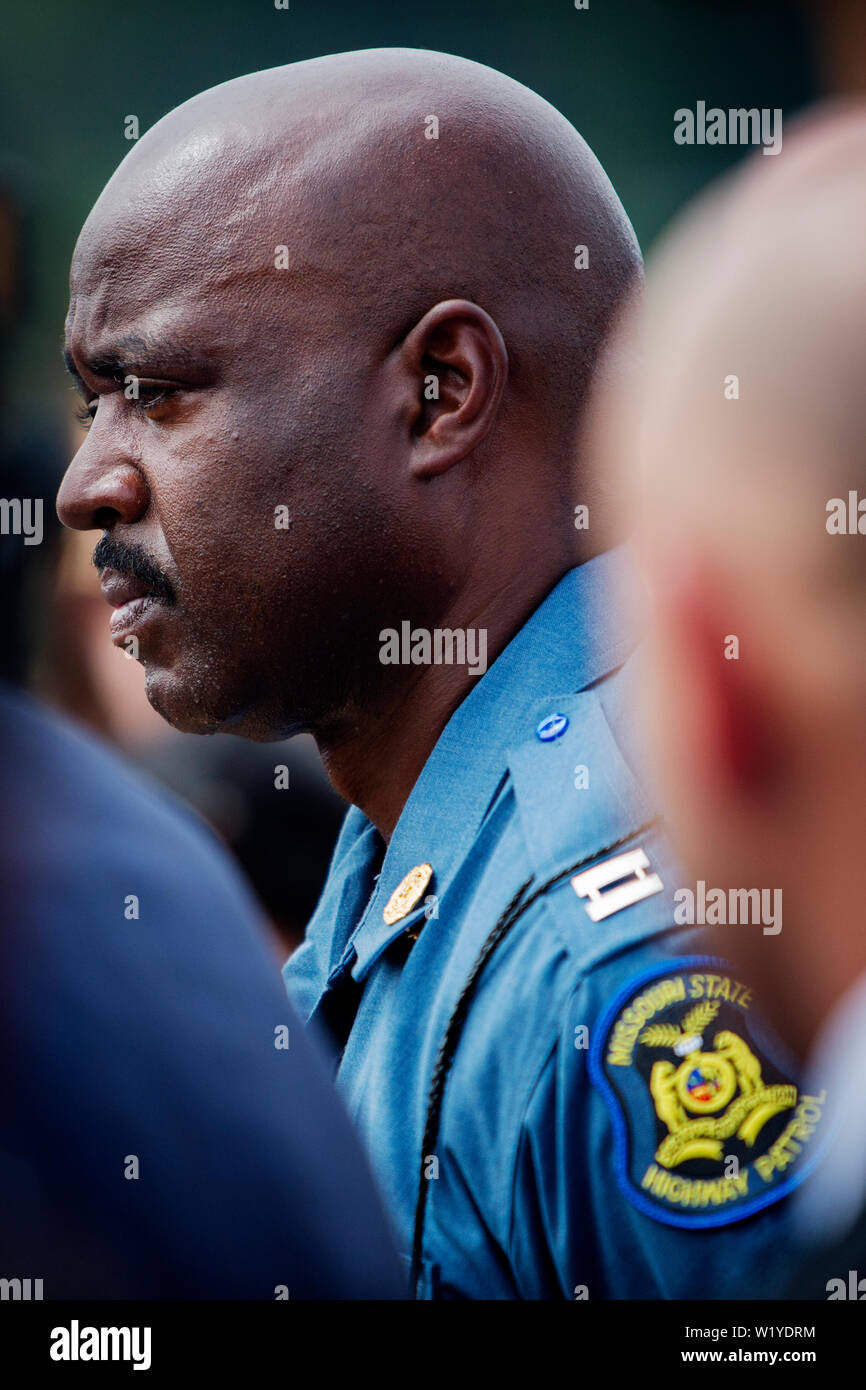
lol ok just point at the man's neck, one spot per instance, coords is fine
(375, 759)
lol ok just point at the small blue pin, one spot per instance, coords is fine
(554, 726)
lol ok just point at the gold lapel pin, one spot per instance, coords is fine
(407, 894)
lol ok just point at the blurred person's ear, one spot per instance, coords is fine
(722, 748)
(735, 730)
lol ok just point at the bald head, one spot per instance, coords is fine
(350, 292)
(751, 406)
(396, 179)
(744, 439)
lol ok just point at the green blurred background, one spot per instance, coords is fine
(71, 72)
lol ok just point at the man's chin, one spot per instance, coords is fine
(193, 706)
(178, 704)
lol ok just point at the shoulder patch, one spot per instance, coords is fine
(709, 1124)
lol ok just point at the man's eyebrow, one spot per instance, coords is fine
(129, 352)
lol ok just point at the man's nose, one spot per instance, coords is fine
(96, 493)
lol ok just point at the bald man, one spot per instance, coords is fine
(747, 425)
(334, 326)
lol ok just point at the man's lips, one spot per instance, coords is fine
(131, 600)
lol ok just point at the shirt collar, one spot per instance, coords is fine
(580, 632)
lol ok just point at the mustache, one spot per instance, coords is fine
(134, 563)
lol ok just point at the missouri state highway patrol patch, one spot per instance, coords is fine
(709, 1123)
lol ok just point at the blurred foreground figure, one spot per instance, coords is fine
(166, 1129)
(748, 424)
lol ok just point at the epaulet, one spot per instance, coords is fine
(596, 846)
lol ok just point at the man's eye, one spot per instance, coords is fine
(143, 394)
(149, 395)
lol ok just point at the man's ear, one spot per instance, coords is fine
(453, 366)
(727, 702)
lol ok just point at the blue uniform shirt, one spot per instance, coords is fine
(602, 1114)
